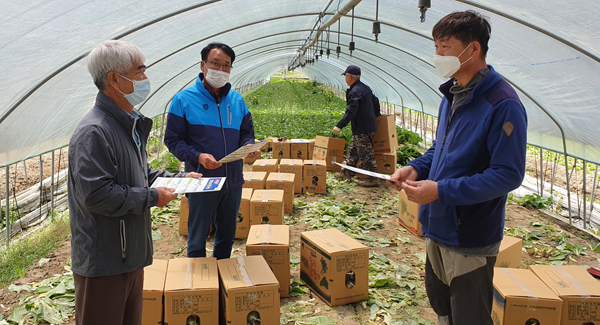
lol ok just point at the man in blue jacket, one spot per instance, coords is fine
(206, 122)
(462, 181)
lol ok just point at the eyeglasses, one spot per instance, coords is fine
(217, 66)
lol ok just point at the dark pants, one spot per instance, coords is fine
(459, 287)
(222, 207)
(115, 299)
(361, 149)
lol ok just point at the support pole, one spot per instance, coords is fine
(584, 194)
(568, 188)
(593, 191)
(7, 214)
(52, 187)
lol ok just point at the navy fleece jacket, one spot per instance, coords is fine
(477, 159)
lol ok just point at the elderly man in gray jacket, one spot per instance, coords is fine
(109, 193)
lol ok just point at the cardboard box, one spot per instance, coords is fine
(327, 149)
(311, 148)
(285, 182)
(386, 162)
(243, 219)
(273, 243)
(408, 214)
(281, 150)
(314, 178)
(296, 167)
(249, 291)
(510, 252)
(266, 147)
(579, 291)
(192, 291)
(184, 212)
(154, 286)
(266, 165)
(255, 180)
(250, 161)
(299, 149)
(334, 266)
(522, 298)
(266, 207)
(386, 137)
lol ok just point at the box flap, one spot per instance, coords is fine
(291, 162)
(265, 162)
(247, 193)
(315, 162)
(267, 196)
(508, 241)
(254, 176)
(567, 280)
(154, 275)
(192, 273)
(321, 141)
(333, 240)
(246, 271)
(521, 283)
(281, 177)
(298, 140)
(269, 234)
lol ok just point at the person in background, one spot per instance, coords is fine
(462, 181)
(206, 122)
(109, 191)
(362, 108)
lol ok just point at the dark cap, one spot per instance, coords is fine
(352, 69)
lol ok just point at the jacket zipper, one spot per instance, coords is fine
(136, 145)
(123, 239)
(224, 140)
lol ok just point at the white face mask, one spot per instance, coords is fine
(447, 66)
(216, 78)
(141, 90)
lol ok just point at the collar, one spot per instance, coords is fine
(354, 84)
(486, 83)
(108, 106)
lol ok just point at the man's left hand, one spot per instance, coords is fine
(253, 155)
(422, 192)
(336, 130)
(193, 175)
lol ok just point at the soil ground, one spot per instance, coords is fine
(401, 251)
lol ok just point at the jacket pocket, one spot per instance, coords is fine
(123, 239)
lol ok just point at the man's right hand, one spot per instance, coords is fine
(208, 161)
(406, 173)
(165, 195)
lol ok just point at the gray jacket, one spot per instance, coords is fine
(109, 194)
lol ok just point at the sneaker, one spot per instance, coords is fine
(344, 174)
(369, 182)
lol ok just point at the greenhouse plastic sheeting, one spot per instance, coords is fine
(549, 50)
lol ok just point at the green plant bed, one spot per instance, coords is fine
(21, 255)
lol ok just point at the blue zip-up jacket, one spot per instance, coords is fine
(200, 123)
(478, 158)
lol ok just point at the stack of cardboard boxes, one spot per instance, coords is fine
(206, 291)
(385, 144)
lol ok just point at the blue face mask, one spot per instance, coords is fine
(141, 90)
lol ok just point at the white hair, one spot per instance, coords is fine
(354, 76)
(113, 55)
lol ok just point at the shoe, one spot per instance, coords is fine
(343, 175)
(369, 182)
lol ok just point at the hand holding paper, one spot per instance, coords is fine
(242, 152)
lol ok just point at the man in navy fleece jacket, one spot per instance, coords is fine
(462, 181)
